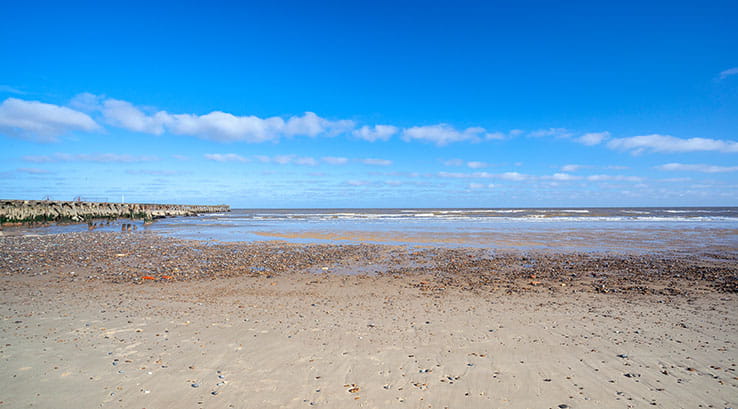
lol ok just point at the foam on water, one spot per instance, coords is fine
(590, 227)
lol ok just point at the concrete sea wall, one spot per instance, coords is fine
(41, 211)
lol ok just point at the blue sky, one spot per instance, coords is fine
(371, 104)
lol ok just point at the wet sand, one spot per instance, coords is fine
(233, 325)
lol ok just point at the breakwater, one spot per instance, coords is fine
(44, 211)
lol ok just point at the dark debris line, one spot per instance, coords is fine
(126, 257)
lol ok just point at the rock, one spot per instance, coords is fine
(195, 385)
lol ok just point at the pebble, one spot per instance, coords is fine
(622, 355)
(563, 406)
(195, 385)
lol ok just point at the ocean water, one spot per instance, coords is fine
(579, 229)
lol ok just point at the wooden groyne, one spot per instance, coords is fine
(45, 211)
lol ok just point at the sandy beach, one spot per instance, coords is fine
(141, 321)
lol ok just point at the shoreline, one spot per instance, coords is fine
(275, 324)
(127, 257)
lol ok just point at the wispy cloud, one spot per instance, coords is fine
(11, 90)
(476, 186)
(153, 172)
(287, 160)
(668, 143)
(618, 178)
(225, 157)
(562, 177)
(94, 157)
(442, 134)
(682, 167)
(477, 164)
(555, 132)
(453, 162)
(513, 176)
(592, 138)
(41, 122)
(572, 168)
(376, 162)
(334, 160)
(306, 161)
(33, 171)
(376, 133)
(727, 73)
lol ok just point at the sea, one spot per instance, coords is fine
(646, 229)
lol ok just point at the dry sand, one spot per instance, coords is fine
(356, 341)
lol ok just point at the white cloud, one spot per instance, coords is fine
(454, 175)
(481, 186)
(357, 182)
(124, 115)
(555, 132)
(87, 102)
(619, 178)
(152, 172)
(453, 162)
(477, 165)
(225, 157)
(288, 159)
(376, 133)
(571, 168)
(727, 73)
(562, 177)
(592, 138)
(33, 171)
(217, 125)
(333, 160)
(697, 168)
(514, 176)
(312, 125)
(41, 122)
(11, 90)
(283, 159)
(442, 134)
(376, 162)
(494, 136)
(224, 127)
(94, 157)
(305, 161)
(668, 143)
